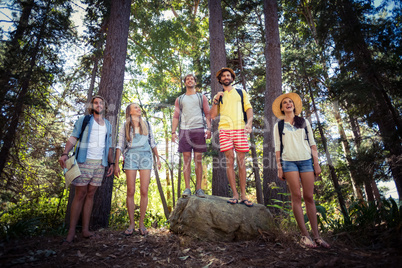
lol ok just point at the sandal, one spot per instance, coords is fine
(233, 201)
(307, 242)
(320, 242)
(128, 232)
(143, 231)
(247, 203)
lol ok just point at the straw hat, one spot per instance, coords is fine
(73, 170)
(225, 69)
(276, 105)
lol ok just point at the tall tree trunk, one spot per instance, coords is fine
(346, 148)
(331, 167)
(13, 50)
(306, 9)
(24, 81)
(256, 169)
(273, 89)
(111, 88)
(384, 114)
(218, 60)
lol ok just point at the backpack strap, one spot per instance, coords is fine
(84, 125)
(281, 125)
(149, 132)
(240, 92)
(200, 101)
(180, 100)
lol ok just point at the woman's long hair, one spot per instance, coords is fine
(300, 122)
(130, 124)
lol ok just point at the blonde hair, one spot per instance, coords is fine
(129, 123)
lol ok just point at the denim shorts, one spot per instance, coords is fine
(300, 166)
(137, 160)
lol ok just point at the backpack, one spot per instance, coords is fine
(200, 101)
(281, 125)
(84, 125)
(240, 92)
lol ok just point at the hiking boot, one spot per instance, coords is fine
(186, 193)
(200, 193)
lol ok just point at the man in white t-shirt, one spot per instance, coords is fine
(191, 113)
(93, 154)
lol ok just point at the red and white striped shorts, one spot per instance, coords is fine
(236, 138)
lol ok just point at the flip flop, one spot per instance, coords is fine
(92, 236)
(128, 232)
(247, 203)
(233, 201)
(143, 231)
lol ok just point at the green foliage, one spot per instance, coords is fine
(39, 217)
(366, 215)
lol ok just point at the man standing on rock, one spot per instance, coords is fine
(93, 153)
(236, 119)
(192, 116)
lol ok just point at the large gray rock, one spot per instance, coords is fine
(213, 219)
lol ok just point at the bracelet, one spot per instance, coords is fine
(63, 154)
(111, 164)
(216, 102)
(208, 129)
(174, 132)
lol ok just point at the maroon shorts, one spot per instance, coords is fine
(192, 140)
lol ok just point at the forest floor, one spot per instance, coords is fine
(161, 248)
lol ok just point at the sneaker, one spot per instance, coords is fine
(200, 193)
(186, 193)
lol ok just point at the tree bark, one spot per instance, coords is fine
(273, 89)
(111, 88)
(218, 60)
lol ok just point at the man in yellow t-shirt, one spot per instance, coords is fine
(233, 130)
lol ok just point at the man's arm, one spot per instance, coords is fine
(207, 116)
(249, 126)
(215, 102)
(69, 145)
(175, 120)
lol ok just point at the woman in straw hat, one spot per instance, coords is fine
(297, 160)
(136, 140)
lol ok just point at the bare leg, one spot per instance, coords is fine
(292, 179)
(198, 169)
(87, 210)
(230, 172)
(76, 208)
(187, 168)
(145, 175)
(242, 173)
(130, 179)
(307, 180)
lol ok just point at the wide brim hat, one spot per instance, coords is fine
(276, 105)
(223, 70)
(73, 170)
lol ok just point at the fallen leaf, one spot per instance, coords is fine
(184, 258)
(186, 250)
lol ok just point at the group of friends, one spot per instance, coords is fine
(295, 148)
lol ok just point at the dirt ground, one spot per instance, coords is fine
(161, 248)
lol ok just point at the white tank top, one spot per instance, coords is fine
(96, 144)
